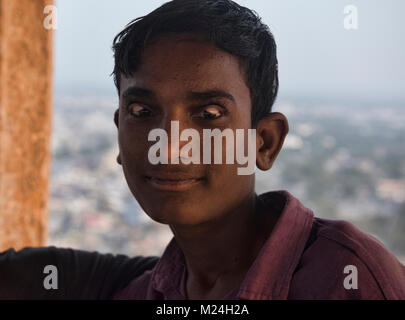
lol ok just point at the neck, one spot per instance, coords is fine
(221, 251)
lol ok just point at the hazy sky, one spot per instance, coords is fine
(317, 55)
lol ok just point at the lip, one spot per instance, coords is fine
(173, 183)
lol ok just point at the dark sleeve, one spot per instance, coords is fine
(80, 274)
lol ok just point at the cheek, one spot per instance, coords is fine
(133, 143)
(224, 191)
(225, 182)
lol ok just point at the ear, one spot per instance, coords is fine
(270, 134)
(116, 117)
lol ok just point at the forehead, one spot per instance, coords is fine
(176, 64)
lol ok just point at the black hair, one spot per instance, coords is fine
(229, 26)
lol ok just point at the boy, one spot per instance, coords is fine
(202, 65)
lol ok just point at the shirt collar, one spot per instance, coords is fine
(271, 272)
(270, 275)
(169, 272)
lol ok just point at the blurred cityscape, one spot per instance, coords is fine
(344, 161)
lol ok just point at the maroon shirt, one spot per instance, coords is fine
(303, 258)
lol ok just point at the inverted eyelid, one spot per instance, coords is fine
(208, 107)
(138, 105)
(220, 112)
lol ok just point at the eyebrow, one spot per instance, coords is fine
(139, 92)
(209, 94)
(192, 95)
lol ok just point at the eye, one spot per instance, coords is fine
(138, 111)
(210, 113)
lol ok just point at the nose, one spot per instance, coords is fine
(174, 126)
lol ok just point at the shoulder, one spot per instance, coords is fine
(342, 262)
(139, 288)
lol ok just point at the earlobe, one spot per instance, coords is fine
(270, 134)
(119, 159)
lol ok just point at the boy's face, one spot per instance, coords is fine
(174, 72)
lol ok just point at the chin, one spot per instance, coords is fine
(177, 215)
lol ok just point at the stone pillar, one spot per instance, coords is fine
(25, 122)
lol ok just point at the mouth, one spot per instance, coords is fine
(173, 184)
